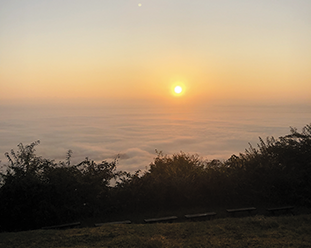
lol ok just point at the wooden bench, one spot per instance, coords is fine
(169, 219)
(113, 223)
(239, 210)
(200, 216)
(63, 226)
(286, 209)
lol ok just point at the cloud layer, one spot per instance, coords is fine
(134, 134)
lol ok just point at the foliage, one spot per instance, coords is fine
(278, 169)
(172, 181)
(37, 192)
(277, 172)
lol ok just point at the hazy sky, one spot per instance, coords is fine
(139, 49)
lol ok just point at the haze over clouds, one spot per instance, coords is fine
(97, 77)
(134, 134)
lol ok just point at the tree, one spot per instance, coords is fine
(37, 192)
(172, 180)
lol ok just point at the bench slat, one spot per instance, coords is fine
(162, 219)
(189, 216)
(288, 209)
(62, 226)
(281, 208)
(240, 210)
(113, 223)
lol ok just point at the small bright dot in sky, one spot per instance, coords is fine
(178, 89)
(139, 5)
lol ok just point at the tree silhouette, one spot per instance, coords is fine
(36, 192)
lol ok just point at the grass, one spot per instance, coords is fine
(257, 231)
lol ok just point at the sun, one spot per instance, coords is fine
(178, 89)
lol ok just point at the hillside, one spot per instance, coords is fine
(258, 231)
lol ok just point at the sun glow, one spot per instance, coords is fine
(178, 89)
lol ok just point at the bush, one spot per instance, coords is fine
(37, 192)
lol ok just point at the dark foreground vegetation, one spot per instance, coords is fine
(37, 192)
(258, 231)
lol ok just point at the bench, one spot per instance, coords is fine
(238, 210)
(287, 209)
(169, 219)
(200, 216)
(113, 223)
(63, 226)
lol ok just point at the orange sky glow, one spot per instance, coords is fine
(126, 50)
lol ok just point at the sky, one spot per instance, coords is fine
(98, 76)
(132, 50)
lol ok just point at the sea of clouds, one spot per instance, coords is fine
(134, 133)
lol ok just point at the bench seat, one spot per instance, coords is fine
(287, 209)
(162, 219)
(69, 225)
(237, 210)
(200, 216)
(113, 223)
